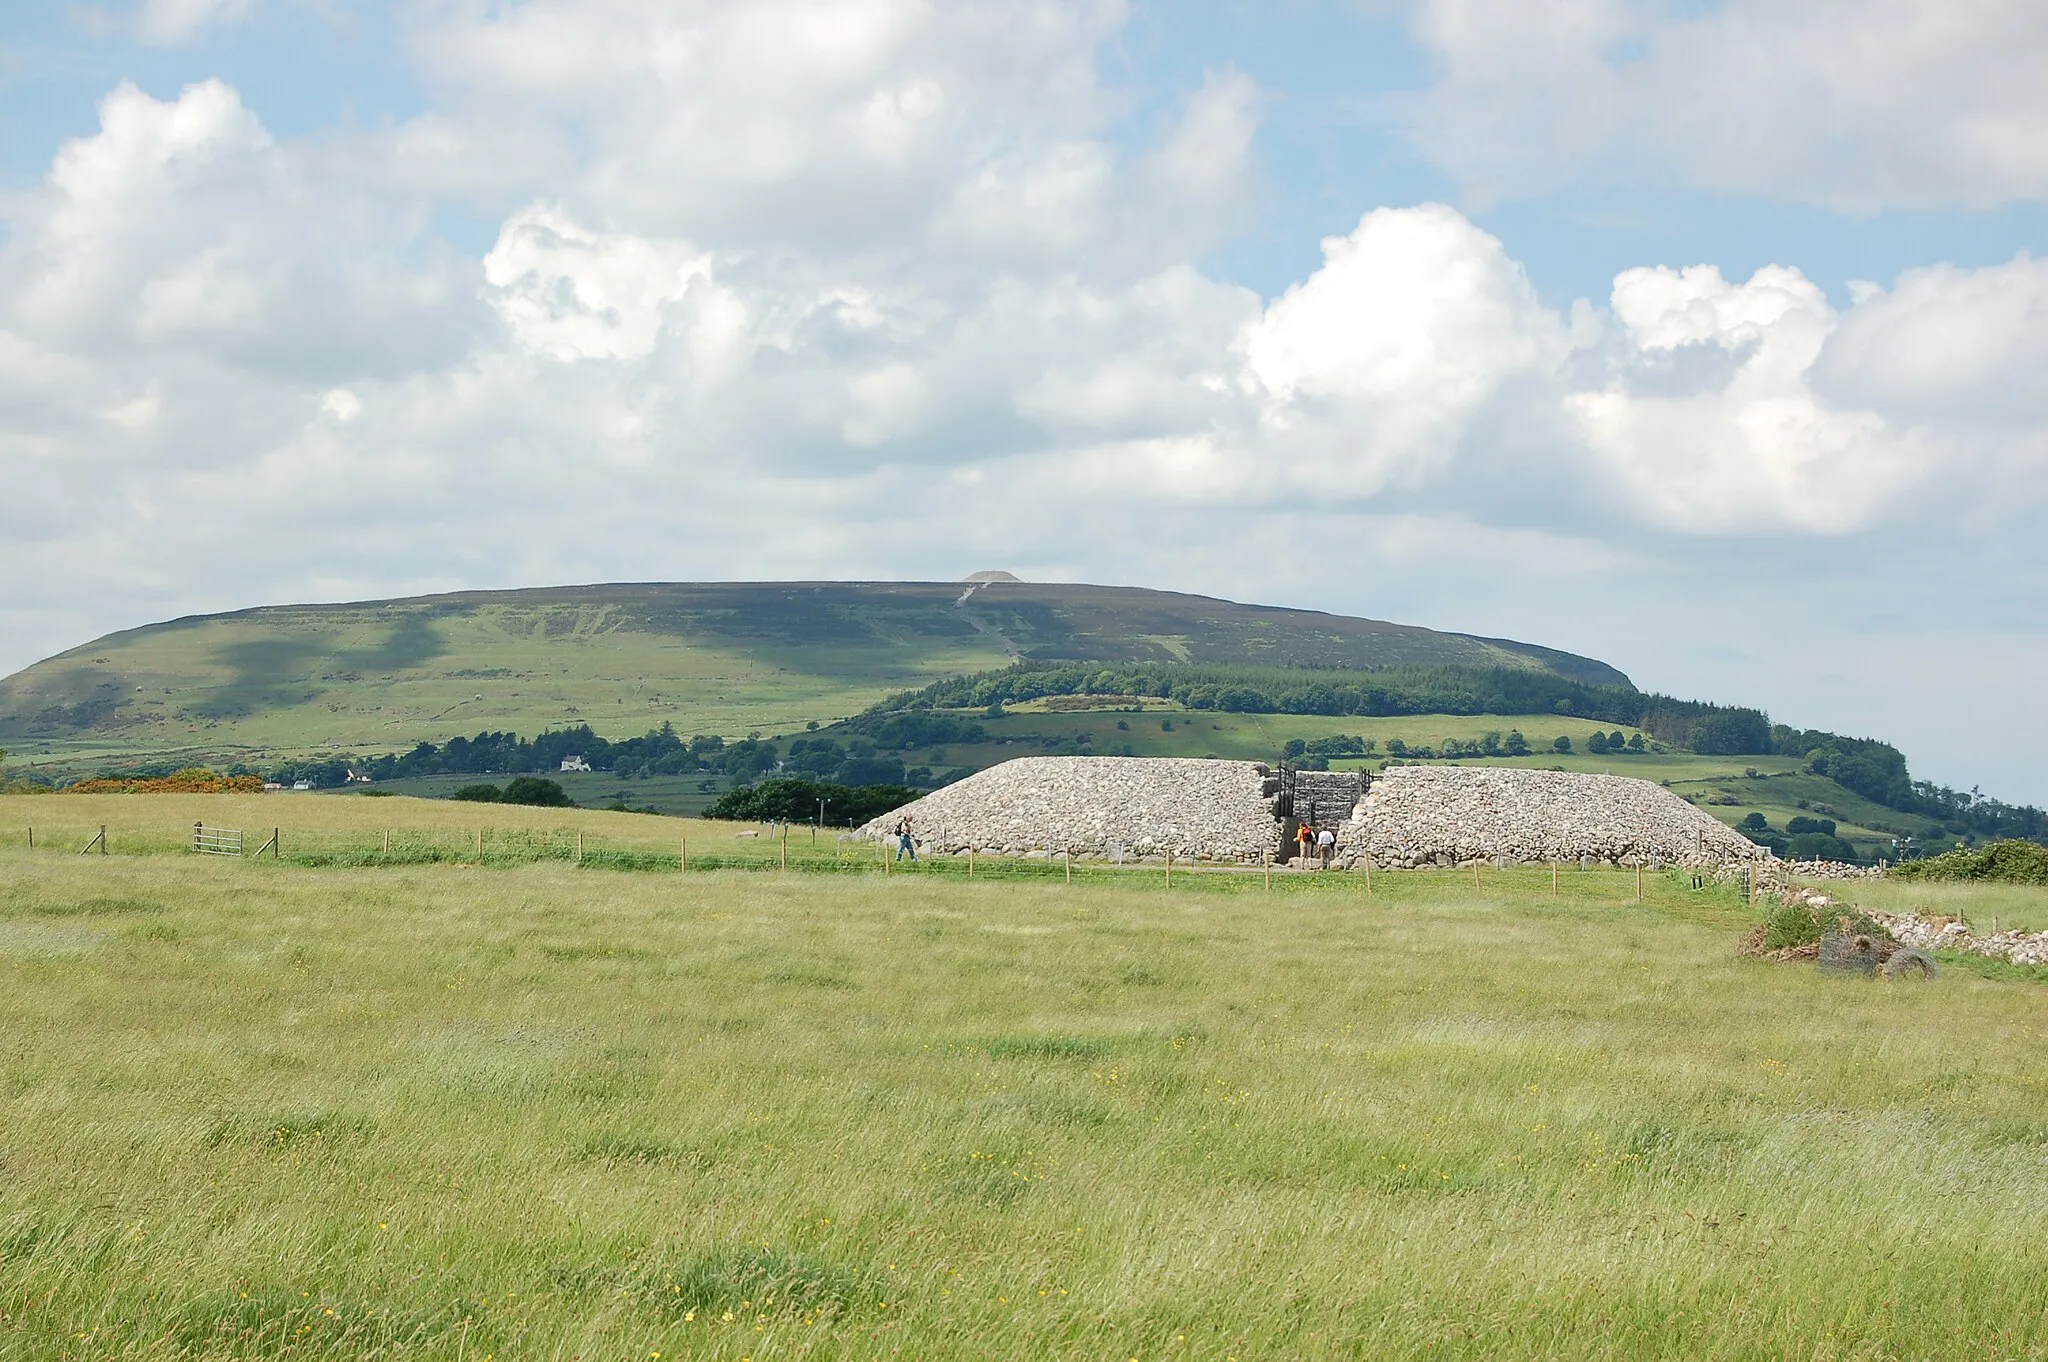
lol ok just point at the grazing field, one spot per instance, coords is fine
(257, 1109)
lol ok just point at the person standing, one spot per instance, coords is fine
(904, 845)
(1304, 838)
(1326, 847)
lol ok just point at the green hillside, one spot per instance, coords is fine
(722, 658)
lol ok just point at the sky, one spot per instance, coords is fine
(1704, 338)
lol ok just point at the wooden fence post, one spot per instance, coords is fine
(785, 844)
(1639, 878)
(31, 837)
(387, 841)
(1070, 865)
(1266, 864)
(683, 853)
(579, 846)
(1475, 877)
(1169, 867)
(970, 863)
(1368, 872)
(1553, 879)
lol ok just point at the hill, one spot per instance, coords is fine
(721, 658)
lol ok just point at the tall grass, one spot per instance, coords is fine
(532, 1111)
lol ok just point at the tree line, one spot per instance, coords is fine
(1378, 692)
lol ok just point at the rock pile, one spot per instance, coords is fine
(1436, 815)
(2022, 948)
(1830, 870)
(1098, 807)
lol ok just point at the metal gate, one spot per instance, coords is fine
(216, 841)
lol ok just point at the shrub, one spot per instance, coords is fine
(1800, 924)
(190, 780)
(2006, 862)
(479, 794)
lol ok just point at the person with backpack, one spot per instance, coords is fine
(904, 845)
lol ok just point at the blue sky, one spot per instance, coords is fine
(1704, 338)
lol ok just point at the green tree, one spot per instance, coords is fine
(1517, 745)
(1561, 744)
(538, 791)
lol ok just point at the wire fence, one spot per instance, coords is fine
(764, 849)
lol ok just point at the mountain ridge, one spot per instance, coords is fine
(720, 656)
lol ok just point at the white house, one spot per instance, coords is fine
(575, 764)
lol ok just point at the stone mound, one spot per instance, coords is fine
(1097, 806)
(1446, 815)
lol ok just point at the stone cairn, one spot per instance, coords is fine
(1113, 808)
(1437, 815)
(1142, 808)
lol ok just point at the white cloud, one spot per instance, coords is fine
(1375, 366)
(180, 21)
(1956, 346)
(343, 405)
(573, 293)
(1857, 104)
(182, 227)
(1709, 414)
(841, 124)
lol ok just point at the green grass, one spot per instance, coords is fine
(443, 1111)
(2023, 907)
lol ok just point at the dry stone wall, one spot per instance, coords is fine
(1443, 815)
(1097, 807)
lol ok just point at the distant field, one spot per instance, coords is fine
(537, 1111)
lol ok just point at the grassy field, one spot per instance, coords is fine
(543, 1111)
